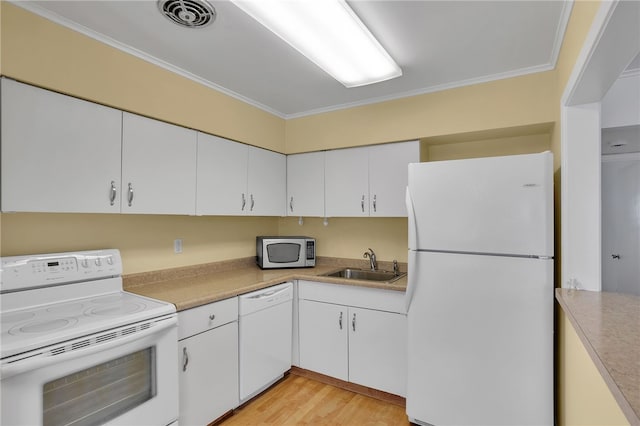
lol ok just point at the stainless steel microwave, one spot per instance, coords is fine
(285, 252)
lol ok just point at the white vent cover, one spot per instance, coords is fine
(188, 13)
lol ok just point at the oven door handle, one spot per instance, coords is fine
(45, 358)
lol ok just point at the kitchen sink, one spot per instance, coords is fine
(365, 274)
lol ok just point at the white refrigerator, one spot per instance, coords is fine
(480, 291)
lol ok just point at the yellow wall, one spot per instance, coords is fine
(583, 398)
(505, 103)
(145, 241)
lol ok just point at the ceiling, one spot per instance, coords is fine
(438, 45)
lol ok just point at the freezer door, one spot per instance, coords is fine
(489, 205)
(480, 341)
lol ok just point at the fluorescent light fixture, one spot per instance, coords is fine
(328, 33)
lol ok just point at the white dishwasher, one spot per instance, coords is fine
(265, 324)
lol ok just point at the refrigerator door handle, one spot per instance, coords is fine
(413, 254)
(412, 275)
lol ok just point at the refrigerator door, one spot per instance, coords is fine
(500, 205)
(480, 341)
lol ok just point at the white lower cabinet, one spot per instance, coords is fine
(208, 362)
(364, 344)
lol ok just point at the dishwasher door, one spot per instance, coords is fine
(265, 324)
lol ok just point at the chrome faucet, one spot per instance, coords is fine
(372, 259)
(396, 270)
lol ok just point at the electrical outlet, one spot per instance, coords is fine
(177, 245)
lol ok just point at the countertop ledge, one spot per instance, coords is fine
(608, 325)
(192, 286)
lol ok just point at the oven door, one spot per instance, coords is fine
(129, 379)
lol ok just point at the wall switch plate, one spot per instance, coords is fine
(177, 245)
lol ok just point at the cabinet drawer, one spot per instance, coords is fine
(362, 297)
(196, 320)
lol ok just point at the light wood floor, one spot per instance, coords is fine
(298, 400)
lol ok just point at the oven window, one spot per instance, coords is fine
(102, 392)
(283, 252)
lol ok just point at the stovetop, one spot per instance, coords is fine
(36, 327)
(50, 299)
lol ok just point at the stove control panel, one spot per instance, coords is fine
(41, 270)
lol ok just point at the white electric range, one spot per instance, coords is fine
(78, 349)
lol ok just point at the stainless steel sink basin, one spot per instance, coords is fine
(364, 274)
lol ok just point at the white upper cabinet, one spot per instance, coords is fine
(59, 154)
(388, 171)
(347, 182)
(158, 167)
(267, 182)
(237, 179)
(222, 176)
(369, 181)
(305, 184)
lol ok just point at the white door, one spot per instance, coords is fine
(621, 223)
(222, 176)
(323, 338)
(347, 182)
(305, 184)
(491, 205)
(59, 154)
(208, 372)
(376, 338)
(267, 182)
(388, 170)
(480, 340)
(158, 167)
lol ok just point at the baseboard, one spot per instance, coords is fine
(363, 390)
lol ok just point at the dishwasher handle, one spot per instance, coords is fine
(267, 294)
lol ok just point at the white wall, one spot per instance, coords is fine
(621, 104)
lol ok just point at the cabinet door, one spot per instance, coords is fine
(267, 182)
(347, 182)
(208, 375)
(388, 171)
(59, 154)
(305, 184)
(158, 167)
(222, 176)
(323, 338)
(378, 350)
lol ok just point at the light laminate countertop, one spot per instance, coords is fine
(608, 325)
(198, 285)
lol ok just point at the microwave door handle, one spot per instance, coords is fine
(43, 361)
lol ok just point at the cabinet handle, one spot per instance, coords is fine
(244, 202)
(374, 203)
(340, 321)
(353, 322)
(362, 204)
(130, 194)
(252, 202)
(291, 204)
(112, 193)
(185, 359)
(212, 317)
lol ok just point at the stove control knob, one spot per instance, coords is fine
(110, 260)
(85, 263)
(98, 262)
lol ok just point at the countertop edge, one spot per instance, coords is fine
(155, 285)
(613, 386)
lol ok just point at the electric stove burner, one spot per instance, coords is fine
(17, 317)
(71, 308)
(43, 326)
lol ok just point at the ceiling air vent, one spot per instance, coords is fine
(188, 13)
